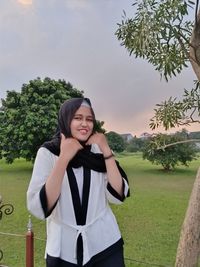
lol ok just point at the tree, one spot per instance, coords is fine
(116, 142)
(99, 127)
(162, 34)
(160, 151)
(28, 118)
(159, 31)
(136, 144)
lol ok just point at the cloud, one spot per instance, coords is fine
(77, 4)
(25, 2)
(74, 40)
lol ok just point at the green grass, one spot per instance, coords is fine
(14, 181)
(150, 220)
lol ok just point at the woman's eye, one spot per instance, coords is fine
(77, 118)
(90, 119)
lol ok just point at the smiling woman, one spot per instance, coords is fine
(75, 177)
(25, 2)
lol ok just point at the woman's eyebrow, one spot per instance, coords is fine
(81, 115)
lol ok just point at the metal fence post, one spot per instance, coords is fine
(29, 245)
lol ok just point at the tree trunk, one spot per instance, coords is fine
(189, 244)
(194, 53)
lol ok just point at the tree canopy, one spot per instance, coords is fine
(163, 33)
(116, 142)
(158, 33)
(135, 145)
(159, 150)
(28, 118)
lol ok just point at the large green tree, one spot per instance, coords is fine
(29, 117)
(163, 33)
(116, 142)
(159, 150)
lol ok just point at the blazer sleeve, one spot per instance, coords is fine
(112, 195)
(41, 170)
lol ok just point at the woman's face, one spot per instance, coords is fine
(82, 124)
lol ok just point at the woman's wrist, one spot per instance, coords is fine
(109, 156)
(63, 159)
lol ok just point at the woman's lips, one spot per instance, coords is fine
(83, 131)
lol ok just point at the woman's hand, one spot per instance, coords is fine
(113, 174)
(69, 147)
(101, 141)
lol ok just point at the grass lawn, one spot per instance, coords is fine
(150, 220)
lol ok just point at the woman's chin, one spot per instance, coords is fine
(82, 139)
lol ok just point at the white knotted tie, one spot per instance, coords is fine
(82, 229)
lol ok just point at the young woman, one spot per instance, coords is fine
(75, 176)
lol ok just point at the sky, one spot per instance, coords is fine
(75, 40)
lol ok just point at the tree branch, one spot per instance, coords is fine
(179, 142)
(196, 12)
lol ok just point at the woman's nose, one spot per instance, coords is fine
(84, 122)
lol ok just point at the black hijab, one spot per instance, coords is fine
(84, 157)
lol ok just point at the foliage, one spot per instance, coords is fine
(28, 118)
(135, 145)
(158, 32)
(99, 127)
(171, 112)
(195, 135)
(116, 142)
(160, 151)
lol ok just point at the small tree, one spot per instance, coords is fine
(28, 118)
(160, 151)
(99, 127)
(115, 141)
(136, 144)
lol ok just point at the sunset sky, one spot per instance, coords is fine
(75, 40)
